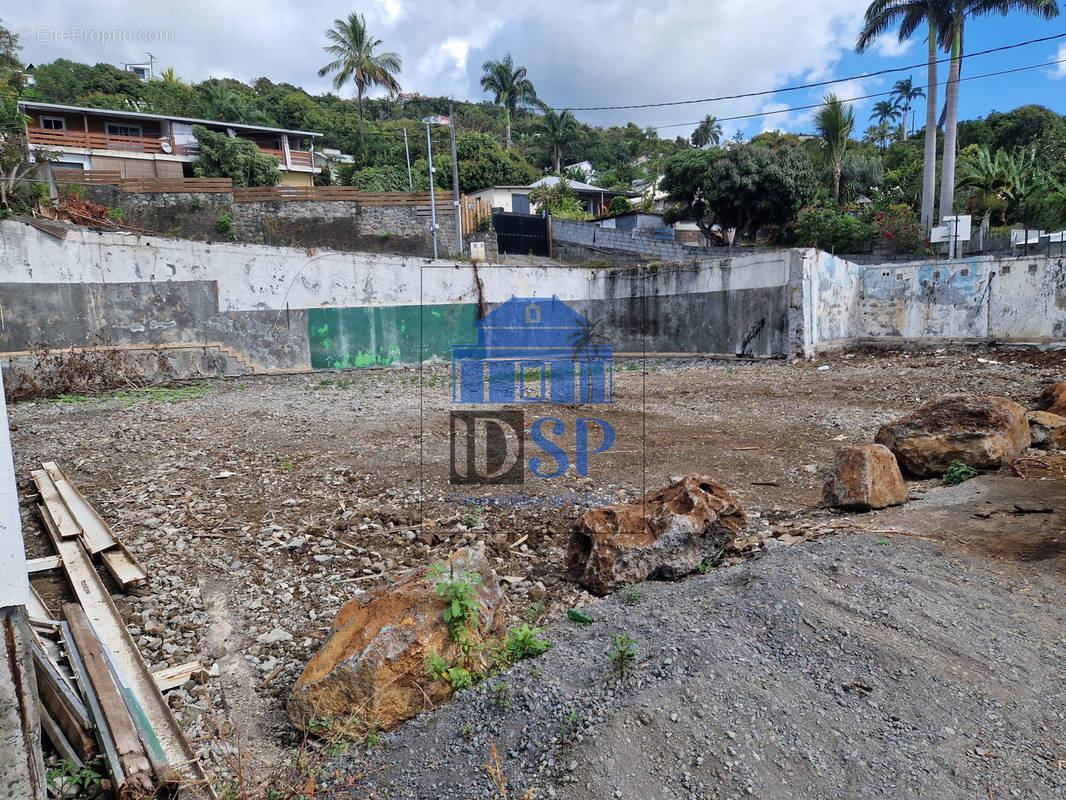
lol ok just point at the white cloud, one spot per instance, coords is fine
(889, 46)
(458, 50)
(392, 9)
(1060, 69)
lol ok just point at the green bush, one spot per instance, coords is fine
(834, 231)
(619, 205)
(900, 228)
(224, 223)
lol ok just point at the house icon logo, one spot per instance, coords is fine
(533, 350)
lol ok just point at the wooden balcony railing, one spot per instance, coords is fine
(140, 144)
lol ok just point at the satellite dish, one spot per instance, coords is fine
(165, 147)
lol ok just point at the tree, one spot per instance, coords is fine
(560, 131)
(709, 132)
(835, 121)
(170, 76)
(885, 113)
(740, 189)
(10, 65)
(509, 88)
(877, 134)
(909, 16)
(558, 199)
(950, 30)
(904, 93)
(355, 60)
(221, 156)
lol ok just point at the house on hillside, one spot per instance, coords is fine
(588, 172)
(139, 145)
(510, 199)
(593, 199)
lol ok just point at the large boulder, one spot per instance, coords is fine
(864, 477)
(1053, 399)
(372, 668)
(665, 534)
(982, 432)
(1047, 431)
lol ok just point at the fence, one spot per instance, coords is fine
(474, 211)
(101, 177)
(260, 194)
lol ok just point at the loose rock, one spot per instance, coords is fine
(1053, 399)
(982, 432)
(1047, 431)
(666, 534)
(864, 477)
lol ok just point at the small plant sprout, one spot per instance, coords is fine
(373, 738)
(501, 696)
(459, 591)
(622, 655)
(524, 642)
(630, 594)
(536, 612)
(958, 472)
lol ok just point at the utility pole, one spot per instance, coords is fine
(432, 190)
(455, 182)
(407, 150)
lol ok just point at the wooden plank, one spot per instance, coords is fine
(42, 564)
(61, 517)
(96, 533)
(131, 754)
(169, 678)
(54, 731)
(37, 610)
(92, 703)
(63, 705)
(108, 625)
(123, 567)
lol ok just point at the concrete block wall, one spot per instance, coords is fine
(587, 240)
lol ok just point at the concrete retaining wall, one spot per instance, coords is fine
(578, 241)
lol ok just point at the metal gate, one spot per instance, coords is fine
(521, 234)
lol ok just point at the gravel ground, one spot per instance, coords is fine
(852, 666)
(259, 506)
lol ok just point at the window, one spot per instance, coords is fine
(122, 129)
(53, 123)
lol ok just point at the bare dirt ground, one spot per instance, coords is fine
(259, 506)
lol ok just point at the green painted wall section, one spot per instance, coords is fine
(343, 338)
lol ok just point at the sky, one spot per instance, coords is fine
(578, 54)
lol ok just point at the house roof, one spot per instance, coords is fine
(577, 186)
(141, 115)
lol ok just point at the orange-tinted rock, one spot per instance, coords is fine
(864, 477)
(1047, 430)
(372, 668)
(665, 534)
(982, 432)
(1053, 399)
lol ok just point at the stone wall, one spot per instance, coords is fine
(336, 224)
(587, 241)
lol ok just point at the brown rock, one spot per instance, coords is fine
(982, 432)
(864, 477)
(1053, 399)
(372, 668)
(1047, 430)
(666, 534)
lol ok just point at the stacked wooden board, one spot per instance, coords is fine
(97, 694)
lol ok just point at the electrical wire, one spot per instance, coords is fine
(861, 97)
(813, 85)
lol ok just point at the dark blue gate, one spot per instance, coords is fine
(521, 234)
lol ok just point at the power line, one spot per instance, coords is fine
(814, 85)
(862, 97)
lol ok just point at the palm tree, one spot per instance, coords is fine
(170, 76)
(877, 134)
(835, 121)
(950, 31)
(355, 60)
(509, 87)
(905, 93)
(885, 113)
(709, 132)
(909, 16)
(560, 130)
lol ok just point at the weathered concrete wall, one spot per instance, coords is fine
(972, 299)
(337, 224)
(231, 308)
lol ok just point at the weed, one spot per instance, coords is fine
(460, 678)
(467, 731)
(571, 726)
(494, 768)
(536, 612)
(66, 775)
(958, 472)
(224, 223)
(331, 384)
(474, 517)
(196, 204)
(459, 590)
(175, 232)
(630, 594)
(622, 655)
(883, 541)
(116, 215)
(436, 666)
(705, 566)
(524, 642)
(373, 738)
(501, 696)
